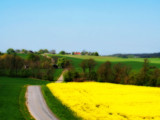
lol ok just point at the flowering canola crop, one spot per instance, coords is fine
(106, 101)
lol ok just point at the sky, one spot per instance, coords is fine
(105, 26)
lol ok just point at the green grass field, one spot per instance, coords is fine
(135, 63)
(24, 56)
(11, 106)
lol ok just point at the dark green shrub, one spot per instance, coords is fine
(71, 75)
(158, 82)
(105, 73)
(92, 76)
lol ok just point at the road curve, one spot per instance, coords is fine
(61, 79)
(37, 105)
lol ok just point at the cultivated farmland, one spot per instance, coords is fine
(105, 101)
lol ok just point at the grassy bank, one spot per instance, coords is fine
(11, 95)
(61, 111)
(57, 74)
(22, 104)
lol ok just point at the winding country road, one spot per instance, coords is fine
(61, 79)
(37, 105)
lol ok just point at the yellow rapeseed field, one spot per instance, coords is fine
(106, 101)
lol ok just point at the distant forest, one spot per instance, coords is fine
(145, 55)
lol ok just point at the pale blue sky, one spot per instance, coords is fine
(106, 26)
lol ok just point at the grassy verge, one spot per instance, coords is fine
(60, 110)
(22, 103)
(57, 74)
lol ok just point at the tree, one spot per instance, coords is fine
(19, 63)
(154, 77)
(96, 54)
(144, 75)
(42, 51)
(1, 53)
(45, 51)
(63, 63)
(24, 51)
(33, 57)
(11, 51)
(62, 52)
(83, 65)
(105, 73)
(70, 75)
(17, 51)
(121, 73)
(91, 64)
(11, 63)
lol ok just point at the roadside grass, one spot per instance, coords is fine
(57, 74)
(24, 56)
(60, 110)
(11, 95)
(135, 63)
(22, 103)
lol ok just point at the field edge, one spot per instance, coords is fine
(61, 111)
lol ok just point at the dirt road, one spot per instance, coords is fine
(60, 79)
(37, 105)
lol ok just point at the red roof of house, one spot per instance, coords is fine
(77, 53)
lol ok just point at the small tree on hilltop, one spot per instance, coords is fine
(96, 54)
(62, 52)
(24, 51)
(11, 51)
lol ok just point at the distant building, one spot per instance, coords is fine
(68, 53)
(77, 53)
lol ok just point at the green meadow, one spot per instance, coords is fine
(12, 90)
(135, 63)
(12, 97)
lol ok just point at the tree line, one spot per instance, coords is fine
(24, 51)
(43, 51)
(146, 55)
(35, 66)
(117, 73)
